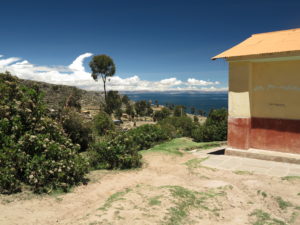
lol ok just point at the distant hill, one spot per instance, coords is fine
(56, 94)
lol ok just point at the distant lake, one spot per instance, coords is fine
(204, 101)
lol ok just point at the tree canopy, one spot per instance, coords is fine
(104, 66)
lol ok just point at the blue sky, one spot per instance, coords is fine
(156, 45)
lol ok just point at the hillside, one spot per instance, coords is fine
(55, 95)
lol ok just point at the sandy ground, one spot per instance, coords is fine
(167, 190)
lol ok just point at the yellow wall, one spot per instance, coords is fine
(275, 91)
(239, 83)
(264, 89)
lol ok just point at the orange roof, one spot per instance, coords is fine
(265, 43)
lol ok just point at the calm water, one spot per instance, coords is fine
(204, 101)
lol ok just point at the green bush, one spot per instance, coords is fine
(214, 128)
(78, 131)
(161, 114)
(119, 152)
(183, 125)
(33, 148)
(147, 135)
(103, 123)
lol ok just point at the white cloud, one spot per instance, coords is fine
(193, 81)
(76, 75)
(77, 64)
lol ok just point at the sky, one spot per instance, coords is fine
(157, 45)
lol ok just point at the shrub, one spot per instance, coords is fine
(196, 119)
(147, 135)
(78, 131)
(117, 153)
(179, 110)
(120, 150)
(183, 125)
(161, 114)
(33, 148)
(214, 128)
(103, 123)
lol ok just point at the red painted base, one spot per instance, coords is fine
(264, 133)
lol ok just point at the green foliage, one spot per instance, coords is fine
(73, 100)
(147, 135)
(113, 102)
(118, 152)
(125, 99)
(119, 113)
(282, 203)
(214, 128)
(130, 110)
(265, 218)
(33, 148)
(193, 110)
(161, 114)
(196, 119)
(178, 126)
(103, 123)
(78, 131)
(179, 110)
(104, 66)
(143, 108)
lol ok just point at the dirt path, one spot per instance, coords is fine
(168, 190)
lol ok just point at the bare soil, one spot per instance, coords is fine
(169, 189)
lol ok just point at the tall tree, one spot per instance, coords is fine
(102, 65)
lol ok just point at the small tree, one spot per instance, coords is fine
(130, 111)
(125, 99)
(113, 102)
(179, 110)
(193, 110)
(102, 65)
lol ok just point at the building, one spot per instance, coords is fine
(264, 92)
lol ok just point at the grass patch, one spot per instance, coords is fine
(263, 218)
(114, 197)
(243, 172)
(173, 146)
(195, 163)
(154, 201)
(291, 178)
(293, 217)
(283, 204)
(185, 200)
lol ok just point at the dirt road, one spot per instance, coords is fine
(169, 189)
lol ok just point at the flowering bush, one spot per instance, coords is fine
(120, 150)
(33, 148)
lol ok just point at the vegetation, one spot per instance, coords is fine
(79, 131)
(186, 200)
(33, 148)
(143, 108)
(175, 145)
(102, 65)
(103, 124)
(41, 148)
(113, 102)
(175, 126)
(161, 114)
(120, 149)
(265, 218)
(214, 128)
